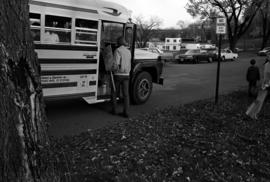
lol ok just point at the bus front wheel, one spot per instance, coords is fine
(142, 88)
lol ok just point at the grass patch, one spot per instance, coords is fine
(194, 142)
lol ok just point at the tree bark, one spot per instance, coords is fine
(233, 42)
(23, 134)
(264, 12)
(265, 30)
(265, 40)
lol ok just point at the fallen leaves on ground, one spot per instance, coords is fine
(194, 142)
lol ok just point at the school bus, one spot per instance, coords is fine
(69, 36)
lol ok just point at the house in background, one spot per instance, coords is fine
(177, 44)
(172, 44)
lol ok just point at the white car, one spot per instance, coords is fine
(227, 54)
(165, 56)
(153, 49)
(264, 51)
(145, 55)
(236, 49)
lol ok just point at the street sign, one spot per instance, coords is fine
(221, 26)
(221, 29)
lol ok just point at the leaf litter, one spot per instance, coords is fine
(193, 142)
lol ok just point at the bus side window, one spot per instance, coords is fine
(86, 32)
(57, 30)
(35, 26)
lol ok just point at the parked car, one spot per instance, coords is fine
(153, 49)
(208, 46)
(142, 53)
(165, 56)
(236, 49)
(212, 53)
(263, 51)
(190, 46)
(196, 56)
(227, 54)
(239, 49)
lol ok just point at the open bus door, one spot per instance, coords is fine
(110, 31)
(130, 36)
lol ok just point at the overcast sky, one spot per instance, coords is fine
(170, 11)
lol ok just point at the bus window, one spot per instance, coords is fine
(35, 26)
(86, 32)
(111, 31)
(57, 30)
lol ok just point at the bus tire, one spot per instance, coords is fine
(142, 88)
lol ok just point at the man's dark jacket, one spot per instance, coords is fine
(253, 74)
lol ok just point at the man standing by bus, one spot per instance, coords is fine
(122, 67)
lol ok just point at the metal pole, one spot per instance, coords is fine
(218, 68)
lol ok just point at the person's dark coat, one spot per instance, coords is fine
(253, 74)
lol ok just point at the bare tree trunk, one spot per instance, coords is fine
(23, 135)
(266, 34)
(233, 41)
(265, 24)
(264, 42)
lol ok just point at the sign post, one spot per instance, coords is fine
(220, 30)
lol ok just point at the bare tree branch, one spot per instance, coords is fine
(235, 12)
(145, 29)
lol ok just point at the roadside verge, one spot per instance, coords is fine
(193, 142)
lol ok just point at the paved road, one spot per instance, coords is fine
(183, 83)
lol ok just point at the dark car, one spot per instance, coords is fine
(263, 51)
(211, 54)
(196, 56)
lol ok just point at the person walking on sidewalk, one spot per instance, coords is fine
(122, 67)
(254, 109)
(266, 72)
(253, 75)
